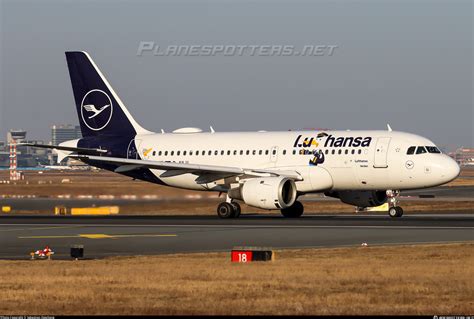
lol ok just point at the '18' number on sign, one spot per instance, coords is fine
(241, 256)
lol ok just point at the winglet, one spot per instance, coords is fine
(389, 128)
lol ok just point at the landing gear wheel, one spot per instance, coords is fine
(237, 210)
(294, 211)
(395, 211)
(225, 210)
(400, 211)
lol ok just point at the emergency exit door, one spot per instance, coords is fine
(381, 152)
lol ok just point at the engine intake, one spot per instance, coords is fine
(360, 198)
(266, 192)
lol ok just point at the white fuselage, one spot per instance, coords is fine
(352, 160)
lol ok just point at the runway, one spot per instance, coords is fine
(130, 235)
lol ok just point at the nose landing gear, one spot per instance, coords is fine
(393, 209)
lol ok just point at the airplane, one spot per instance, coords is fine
(267, 170)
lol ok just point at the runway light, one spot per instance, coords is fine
(249, 254)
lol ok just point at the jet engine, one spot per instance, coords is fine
(266, 192)
(360, 198)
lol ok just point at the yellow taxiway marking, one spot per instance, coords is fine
(99, 236)
(95, 236)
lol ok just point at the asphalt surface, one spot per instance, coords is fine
(130, 235)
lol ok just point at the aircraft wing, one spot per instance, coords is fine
(205, 173)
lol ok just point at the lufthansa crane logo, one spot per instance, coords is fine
(96, 109)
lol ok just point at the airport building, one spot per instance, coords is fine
(26, 156)
(463, 156)
(63, 133)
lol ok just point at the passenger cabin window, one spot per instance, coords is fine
(433, 149)
(284, 152)
(420, 150)
(411, 150)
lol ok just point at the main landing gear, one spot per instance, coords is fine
(393, 209)
(228, 210)
(294, 211)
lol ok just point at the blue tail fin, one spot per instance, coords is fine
(100, 110)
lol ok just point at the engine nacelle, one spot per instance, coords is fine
(360, 198)
(266, 192)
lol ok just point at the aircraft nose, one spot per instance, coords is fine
(449, 169)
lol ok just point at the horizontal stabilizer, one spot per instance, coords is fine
(79, 150)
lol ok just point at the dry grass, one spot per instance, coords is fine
(207, 207)
(430, 279)
(93, 183)
(107, 183)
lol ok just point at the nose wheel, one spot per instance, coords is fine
(394, 210)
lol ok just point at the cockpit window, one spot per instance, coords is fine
(433, 149)
(420, 150)
(411, 150)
